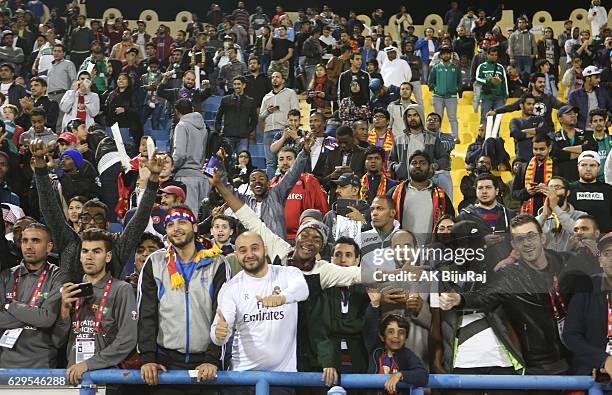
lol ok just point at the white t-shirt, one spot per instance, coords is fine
(4, 88)
(265, 338)
(45, 56)
(481, 350)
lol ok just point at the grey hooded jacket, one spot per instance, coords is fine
(34, 348)
(398, 160)
(190, 136)
(117, 338)
(273, 203)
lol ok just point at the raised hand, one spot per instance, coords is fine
(221, 330)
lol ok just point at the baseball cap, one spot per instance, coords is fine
(132, 50)
(227, 37)
(567, 108)
(590, 70)
(7, 32)
(375, 84)
(174, 190)
(603, 240)
(68, 137)
(348, 179)
(589, 155)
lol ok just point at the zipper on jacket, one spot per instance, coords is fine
(187, 322)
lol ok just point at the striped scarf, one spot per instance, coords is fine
(365, 184)
(530, 173)
(387, 144)
(203, 255)
(438, 199)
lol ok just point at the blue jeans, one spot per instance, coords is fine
(450, 104)
(524, 65)
(488, 105)
(443, 179)
(238, 144)
(155, 114)
(271, 161)
(425, 72)
(264, 60)
(309, 74)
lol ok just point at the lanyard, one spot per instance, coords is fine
(100, 308)
(41, 280)
(556, 298)
(609, 316)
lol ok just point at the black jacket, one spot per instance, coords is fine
(129, 118)
(523, 292)
(172, 95)
(334, 158)
(567, 167)
(15, 93)
(257, 87)
(543, 107)
(585, 332)
(83, 183)
(239, 119)
(51, 110)
(344, 84)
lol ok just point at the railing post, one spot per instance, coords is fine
(88, 387)
(262, 387)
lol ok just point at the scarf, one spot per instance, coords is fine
(387, 144)
(438, 199)
(530, 173)
(382, 186)
(202, 256)
(319, 86)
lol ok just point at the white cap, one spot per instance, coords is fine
(590, 70)
(589, 155)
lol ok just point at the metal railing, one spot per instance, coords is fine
(263, 380)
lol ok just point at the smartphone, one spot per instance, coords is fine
(86, 289)
(342, 206)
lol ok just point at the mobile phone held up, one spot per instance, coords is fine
(86, 290)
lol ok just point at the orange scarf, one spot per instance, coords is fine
(387, 144)
(530, 173)
(438, 199)
(382, 186)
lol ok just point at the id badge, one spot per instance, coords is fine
(9, 337)
(343, 345)
(85, 349)
(609, 346)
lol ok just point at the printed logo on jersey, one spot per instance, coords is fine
(539, 109)
(589, 196)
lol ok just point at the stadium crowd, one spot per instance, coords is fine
(141, 231)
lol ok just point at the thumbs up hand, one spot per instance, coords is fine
(221, 330)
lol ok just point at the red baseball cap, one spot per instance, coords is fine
(68, 137)
(174, 190)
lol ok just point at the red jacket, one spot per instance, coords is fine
(306, 193)
(167, 47)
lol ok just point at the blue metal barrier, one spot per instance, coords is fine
(263, 380)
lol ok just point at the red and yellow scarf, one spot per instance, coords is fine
(387, 144)
(202, 253)
(530, 173)
(438, 199)
(382, 186)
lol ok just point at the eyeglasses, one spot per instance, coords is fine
(524, 238)
(557, 187)
(87, 218)
(243, 156)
